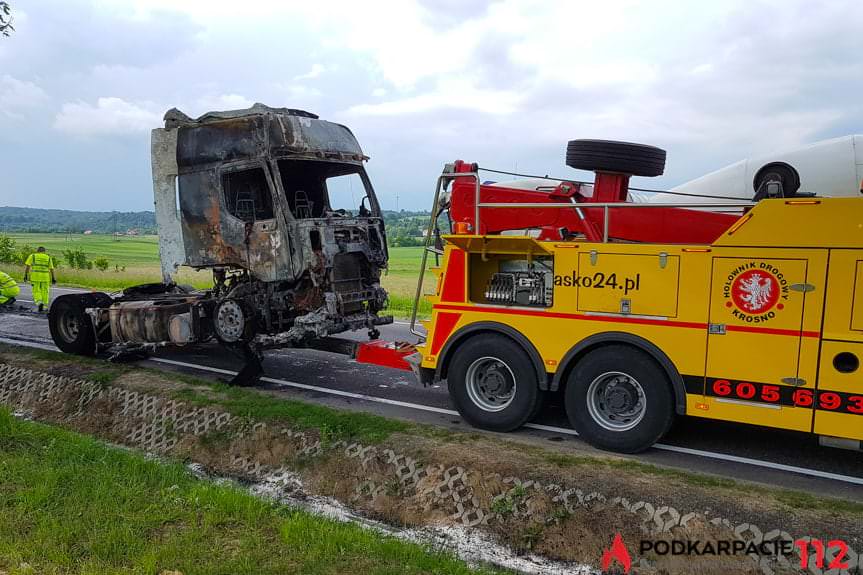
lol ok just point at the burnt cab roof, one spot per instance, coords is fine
(258, 132)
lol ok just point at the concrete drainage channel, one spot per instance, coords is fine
(471, 545)
(452, 507)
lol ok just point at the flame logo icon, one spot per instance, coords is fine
(617, 553)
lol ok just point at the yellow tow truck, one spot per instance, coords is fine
(751, 313)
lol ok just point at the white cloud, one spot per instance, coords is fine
(295, 95)
(316, 71)
(452, 94)
(702, 69)
(221, 102)
(499, 82)
(110, 116)
(17, 96)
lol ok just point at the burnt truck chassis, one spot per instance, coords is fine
(244, 194)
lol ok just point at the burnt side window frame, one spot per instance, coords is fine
(228, 171)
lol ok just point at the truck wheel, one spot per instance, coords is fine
(71, 327)
(232, 322)
(620, 157)
(493, 383)
(619, 399)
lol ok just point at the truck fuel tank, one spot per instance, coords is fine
(152, 321)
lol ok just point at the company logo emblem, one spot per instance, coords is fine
(618, 553)
(755, 291)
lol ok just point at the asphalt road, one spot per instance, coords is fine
(763, 455)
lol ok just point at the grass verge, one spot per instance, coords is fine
(242, 402)
(334, 424)
(69, 504)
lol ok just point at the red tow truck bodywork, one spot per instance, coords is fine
(650, 224)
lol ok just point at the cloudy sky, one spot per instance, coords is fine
(421, 83)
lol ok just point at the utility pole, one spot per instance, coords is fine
(114, 235)
(397, 202)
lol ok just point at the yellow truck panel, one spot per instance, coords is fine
(843, 318)
(755, 327)
(839, 410)
(840, 391)
(634, 283)
(857, 302)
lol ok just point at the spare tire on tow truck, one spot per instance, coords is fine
(617, 157)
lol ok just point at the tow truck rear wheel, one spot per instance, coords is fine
(493, 383)
(619, 399)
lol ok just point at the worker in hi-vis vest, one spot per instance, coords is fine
(39, 271)
(8, 289)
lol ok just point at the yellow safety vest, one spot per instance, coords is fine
(40, 267)
(6, 281)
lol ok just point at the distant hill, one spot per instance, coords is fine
(400, 224)
(46, 221)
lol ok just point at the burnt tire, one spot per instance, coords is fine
(619, 157)
(619, 399)
(493, 383)
(71, 328)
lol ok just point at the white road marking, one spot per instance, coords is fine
(307, 387)
(25, 343)
(71, 290)
(661, 446)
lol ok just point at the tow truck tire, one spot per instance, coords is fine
(493, 383)
(71, 327)
(619, 399)
(618, 157)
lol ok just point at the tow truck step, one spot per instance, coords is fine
(391, 354)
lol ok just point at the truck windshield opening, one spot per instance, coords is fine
(318, 189)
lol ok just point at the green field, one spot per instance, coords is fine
(70, 504)
(140, 258)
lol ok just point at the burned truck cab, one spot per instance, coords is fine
(277, 204)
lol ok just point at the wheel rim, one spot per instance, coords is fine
(490, 384)
(230, 321)
(69, 325)
(616, 401)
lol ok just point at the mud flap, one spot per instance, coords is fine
(252, 368)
